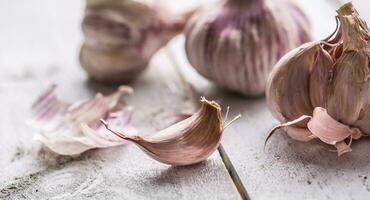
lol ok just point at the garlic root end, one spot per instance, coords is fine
(232, 121)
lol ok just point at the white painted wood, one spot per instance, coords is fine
(287, 169)
(39, 44)
(38, 47)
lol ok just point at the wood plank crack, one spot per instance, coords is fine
(233, 173)
(194, 96)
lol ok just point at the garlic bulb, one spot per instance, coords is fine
(321, 89)
(187, 142)
(235, 43)
(71, 129)
(122, 35)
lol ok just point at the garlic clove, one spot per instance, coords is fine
(352, 71)
(70, 129)
(321, 74)
(327, 129)
(187, 142)
(305, 72)
(110, 67)
(349, 87)
(322, 126)
(291, 74)
(363, 122)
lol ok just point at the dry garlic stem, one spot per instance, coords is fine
(121, 36)
(321, 89)
(235, 43)
(187, 142)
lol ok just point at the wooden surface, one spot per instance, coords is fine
(288, 169)
(39, 45)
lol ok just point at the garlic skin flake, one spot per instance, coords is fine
(187, 142)
(321, 89)
(121, 36)
(236, 43)
(71, 129)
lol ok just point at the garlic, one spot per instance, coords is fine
(187, 142)
(321, 89)
(235, 43)
(70, 129)
(122, 35)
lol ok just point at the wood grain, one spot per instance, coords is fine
(286, 169)
(39, 46)
(40, 42)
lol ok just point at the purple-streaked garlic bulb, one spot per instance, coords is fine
(121, 36)
(322, 89)
(236, 43)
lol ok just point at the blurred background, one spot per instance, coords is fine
(39, 36)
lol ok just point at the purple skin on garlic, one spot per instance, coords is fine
(302, 21)
(236, 43)
(122, 36)
(189, 141)
(71, 129)
(321, 89)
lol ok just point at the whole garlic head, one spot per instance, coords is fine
(236, 43)
(321, 89)
(122, 35)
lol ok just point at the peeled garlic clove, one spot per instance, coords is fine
(187, 142)
(236, 43)
(327, 129)
(70, 129)
(121, 36)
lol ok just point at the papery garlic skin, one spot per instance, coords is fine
(350, 86)
(328, 81)
(71, 129)
(187, 142)
(290, 92)
(121, 36)
(236, 43)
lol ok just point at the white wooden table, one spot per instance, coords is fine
(39, 45)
